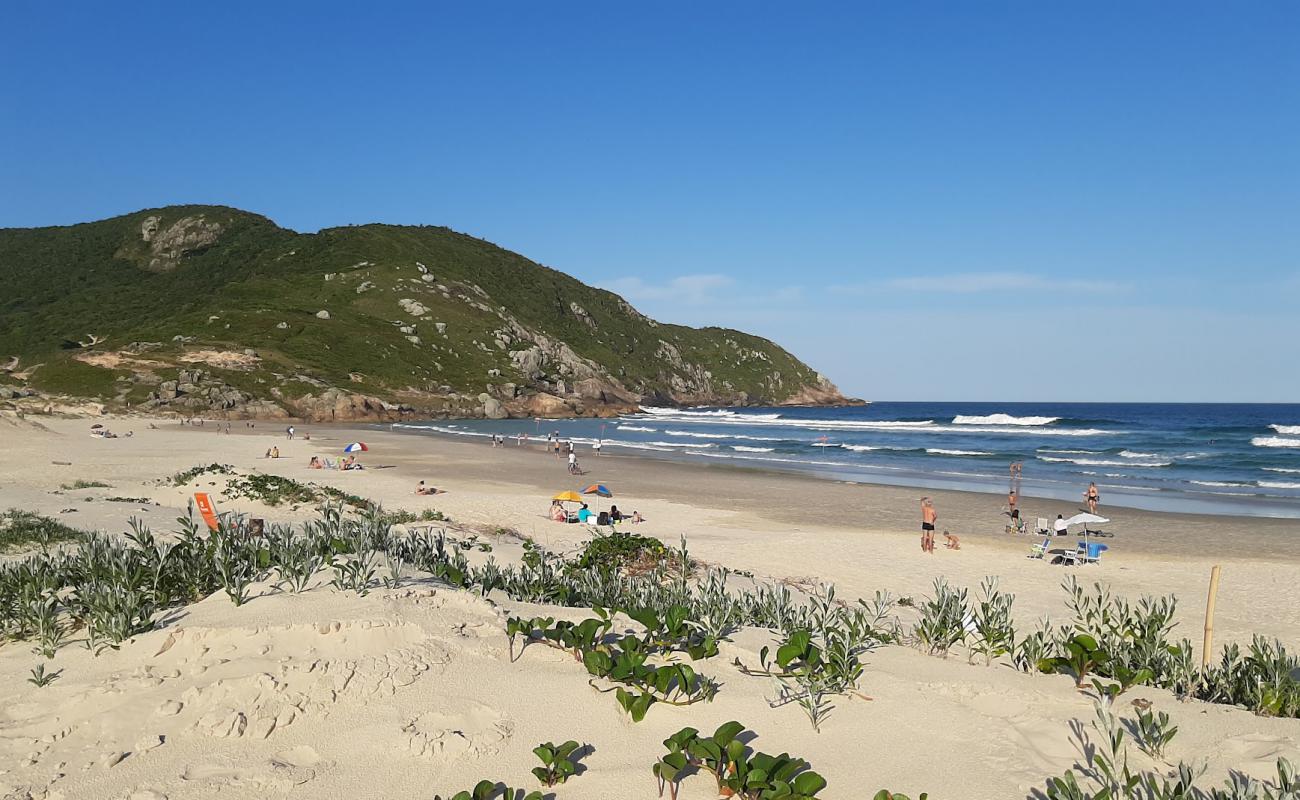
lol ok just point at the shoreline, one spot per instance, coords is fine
(891, 506)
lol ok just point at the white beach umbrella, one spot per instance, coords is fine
(1084, 519)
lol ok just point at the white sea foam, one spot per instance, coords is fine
(1072, 452)
(745, 449)
(1279, 485)
(1131, 454)
(889, 426)
(699, 435)
(1274, 441)
(638, 428)
(1101, 462)
(718, 414)
(942, 452)
(1289, 430)
(1222, 484)
(1002, 419)
(861, 448)
(1283, 470)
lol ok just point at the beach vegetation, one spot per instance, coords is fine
(739, 770)
(943, 619)
(559, 761)
(41, 678)
(81, 483)
(23, 529)
(1106, 774)
(186, 477)
(492, 790)
(993, 633)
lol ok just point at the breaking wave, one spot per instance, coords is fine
(1002, 419)
(1274, 441)
(1289, 430)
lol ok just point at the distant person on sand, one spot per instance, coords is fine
(928, 517)
(1060, 526)
(422, 489)
(596, 447)
(289, 432)
(573, 463)
(951, 542)
(637, 519)
(1012, 501)
(1092, 496)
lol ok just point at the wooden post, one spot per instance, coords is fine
(1209, 617)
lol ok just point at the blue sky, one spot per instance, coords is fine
(998, 200)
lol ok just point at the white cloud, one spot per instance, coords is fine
(980, 282)
(688, 289)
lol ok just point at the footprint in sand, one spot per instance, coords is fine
(460, 728)
(277, 774)
(1257, 753)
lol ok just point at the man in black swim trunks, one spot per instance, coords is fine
(928, 517)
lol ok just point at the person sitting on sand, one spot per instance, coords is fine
(351, 463)
(1060, 526)
(951, 542)
(637, 519)
(558, 514)
(315, 463)
(422, 489)
(275, 452)
(615, 515)
(584, 513)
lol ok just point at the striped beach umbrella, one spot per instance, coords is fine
(356, 447)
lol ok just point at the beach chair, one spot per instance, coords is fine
(1039, 550)
(1089, 552)
(1043, 527)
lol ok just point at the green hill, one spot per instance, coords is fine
(206, 309)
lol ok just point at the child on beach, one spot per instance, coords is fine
(951, 542)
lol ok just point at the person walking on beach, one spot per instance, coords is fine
(928, 517)
(573, 463)
(596, 448)
(289, 431)
(1092, 497)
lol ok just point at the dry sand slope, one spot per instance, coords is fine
(411, 691)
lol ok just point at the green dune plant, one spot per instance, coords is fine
(492, 790)
(943, 619)
(559, 762)
(1106, 773)
(738, 770)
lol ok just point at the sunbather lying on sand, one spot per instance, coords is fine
(422, 489)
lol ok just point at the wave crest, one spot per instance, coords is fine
(1002, 419)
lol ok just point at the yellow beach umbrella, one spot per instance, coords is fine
(568, 497)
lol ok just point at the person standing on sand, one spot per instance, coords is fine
(1012, 500)
(1092, 497)
(928, 517)
(289, 432)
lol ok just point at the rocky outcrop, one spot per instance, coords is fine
(166, 246)
(337, 405)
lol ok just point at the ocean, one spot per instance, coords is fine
(1198, 458)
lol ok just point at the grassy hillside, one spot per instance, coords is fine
(118, 309)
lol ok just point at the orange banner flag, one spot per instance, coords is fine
(207, 510)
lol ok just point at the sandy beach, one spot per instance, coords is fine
(410, 691)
